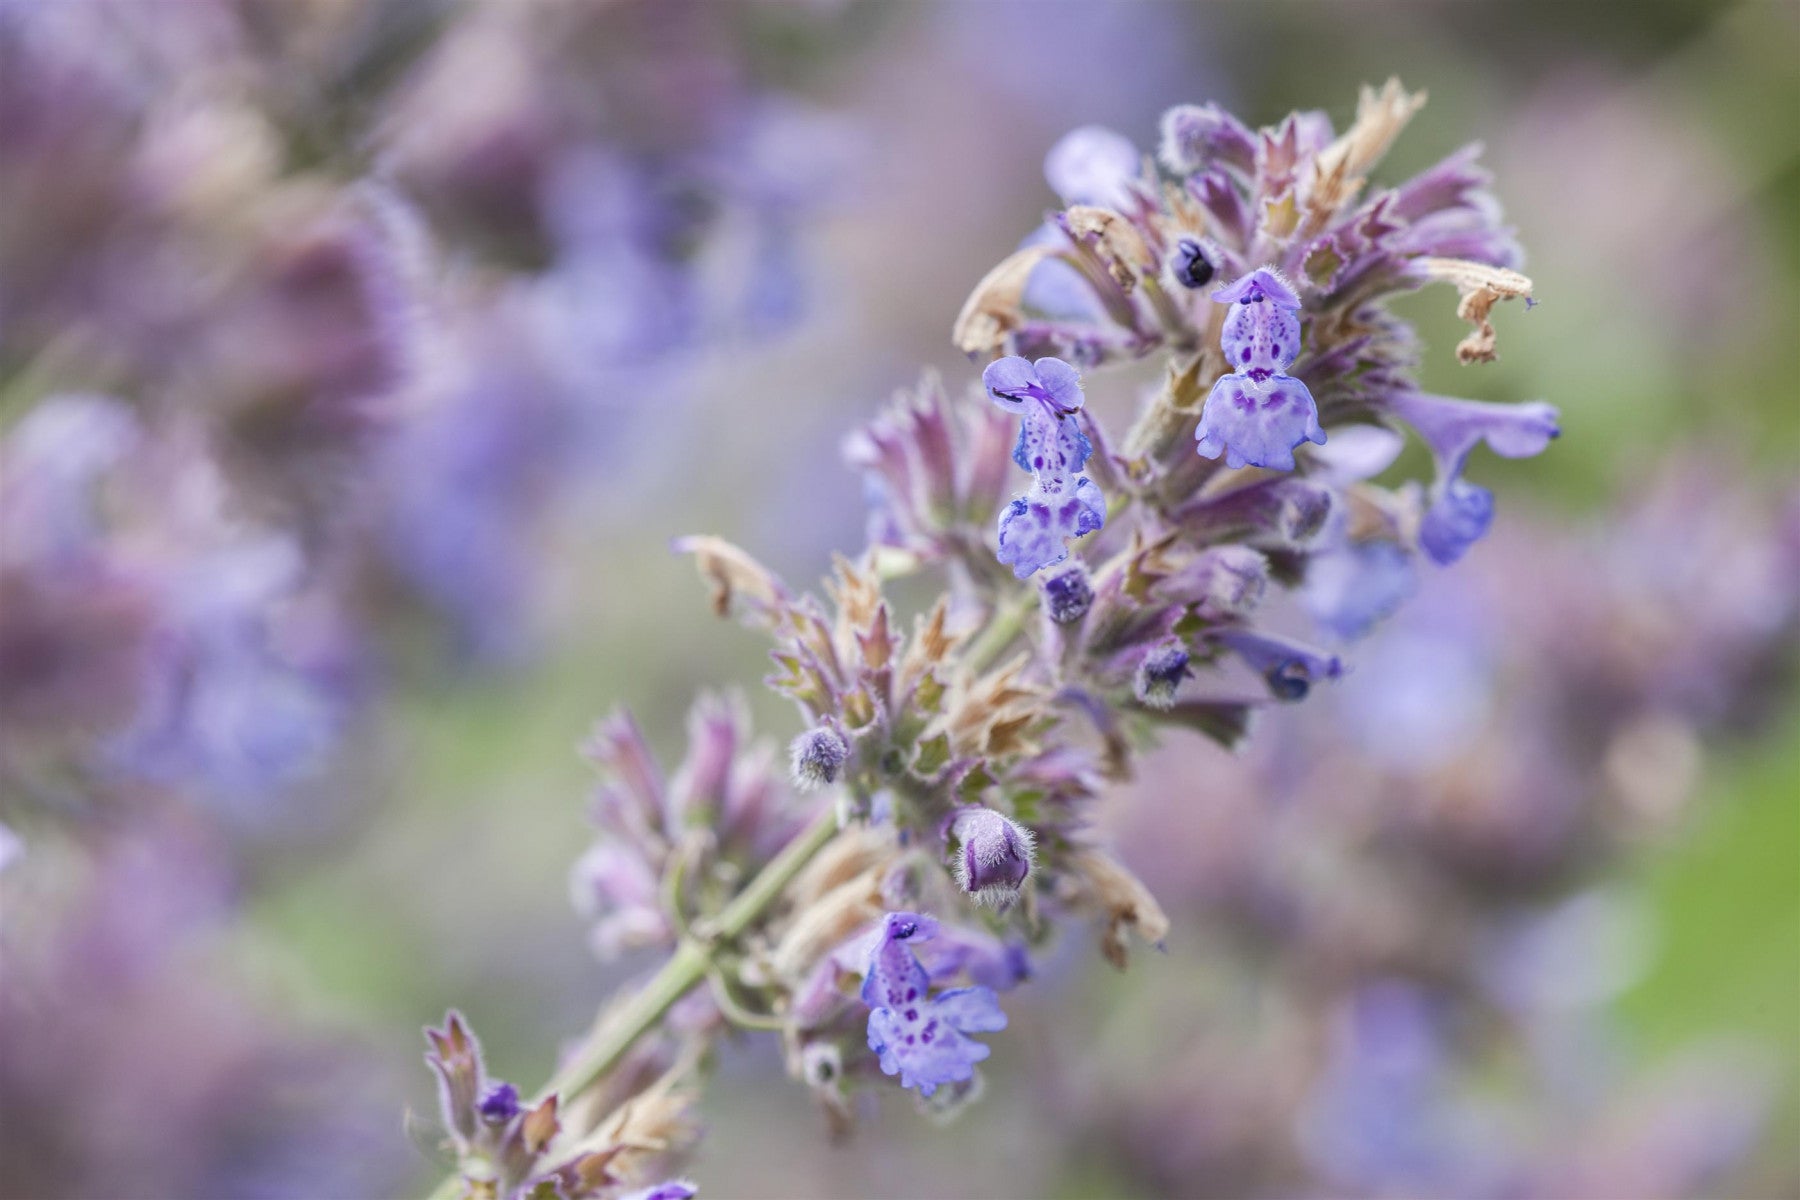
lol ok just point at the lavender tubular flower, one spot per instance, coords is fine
(1257, 415)
(1036, 528)
(919, 1037)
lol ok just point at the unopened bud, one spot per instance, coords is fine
(993, 855)
(1160, 673)
(1193, 264)
(1068, 595)
(818, 758)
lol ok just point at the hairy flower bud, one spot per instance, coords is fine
(993, 856)
(818, 757)
(1193, 264)
(1160, 673)
(1068, 594)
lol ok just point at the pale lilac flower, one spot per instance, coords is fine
(1458, 513)
(1256, 415)
(920, 1037)
(1036, 528)
(1351, 589)
(1289, 667)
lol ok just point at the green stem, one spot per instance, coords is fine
(618, 1031)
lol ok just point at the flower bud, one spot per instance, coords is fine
(1193, 264)
(1160, 673)
(1068, 594)
(818, 757)
(500, 1105)
(993, 856)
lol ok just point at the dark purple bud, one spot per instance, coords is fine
(1194, 265)
(500, 1105)
(1068, 594)
(818, 757)
(993, 855)
(1160, 673)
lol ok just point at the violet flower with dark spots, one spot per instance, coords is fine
(1062, 504)
(1256, 415)
(917, 1036)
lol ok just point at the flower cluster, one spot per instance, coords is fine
(963, 750)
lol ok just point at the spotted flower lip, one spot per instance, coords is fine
(1258, 422)
(917, 1036)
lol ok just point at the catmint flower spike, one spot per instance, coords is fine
(993, 855)
(1257, 415)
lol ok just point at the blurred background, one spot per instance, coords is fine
(359, 362)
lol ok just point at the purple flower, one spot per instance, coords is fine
(1459, 513)
(669, 1189)
(1351, 588)
(993, 855)
(1036, 528)
(500, 1105)
(917, 1036)
(1257, 415)
(1452, 428)
(1290, 668)
(1092, 165)
(1459, 516)
(1195, 136)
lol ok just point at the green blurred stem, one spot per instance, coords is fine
(618, 1031)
